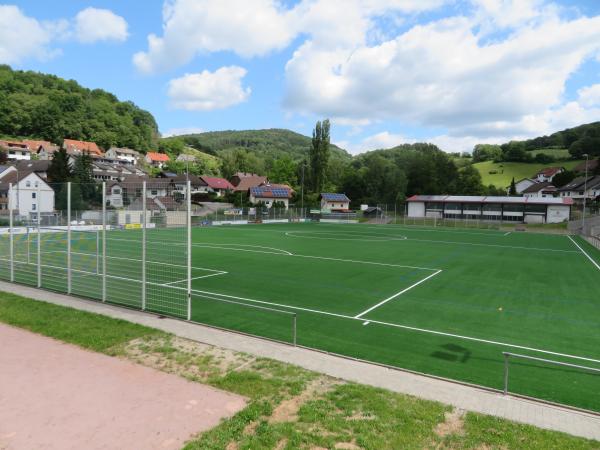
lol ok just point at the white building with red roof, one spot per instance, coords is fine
(157, 159)
(218, 185)
(547, 174)
(73, 146)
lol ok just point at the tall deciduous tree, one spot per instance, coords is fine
(319, 154)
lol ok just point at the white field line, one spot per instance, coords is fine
(416, 228)
(405, 327)
(506, 234)
(374, 237)
(365, 262)
(584, 252)
(148, 262)
(397, 294)
(277, 251)
(195, 278)
(356, 261)
(495, 245)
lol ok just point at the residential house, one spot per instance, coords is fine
(243, 181)
(197, 185)
(547, 174)
(580, 188)
(39, 167)
(156, 159)
(114, 194)
(46, 152)
(541, 190)
(76, 146)
(30, 194)
(186, 158)
(15, 150)
(123, 155)
(334, 202)
(34, 145)
(271, 193)
(521, 185)
(218, 185)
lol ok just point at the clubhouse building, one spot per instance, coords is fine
(510, 209)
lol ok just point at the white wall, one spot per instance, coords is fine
(22, 197)
(416, 209)
(17, 154)
(558, 213)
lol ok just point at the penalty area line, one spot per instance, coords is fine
(397, 294)
(395, 325)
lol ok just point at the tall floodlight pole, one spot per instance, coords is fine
(585, 191)
(302, 190)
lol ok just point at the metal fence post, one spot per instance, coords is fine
(11, 232)
(295, 328)
(143, 246)
(505, 373)
(104, 241)
(189, 249)
(39, 238)
(69, 271)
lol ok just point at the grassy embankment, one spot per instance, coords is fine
(289, 407)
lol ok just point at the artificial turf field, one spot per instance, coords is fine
(445, 302)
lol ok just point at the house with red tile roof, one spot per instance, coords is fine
(218, 185)
(157, 159)
(242, 181)
(73, 146)
(547, 174)
(271, 193)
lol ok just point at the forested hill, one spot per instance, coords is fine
(265, 144)
(577, 140)
(45, 106)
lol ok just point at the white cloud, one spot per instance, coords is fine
(252, 28)
(589, 96)
(442, 75)
(384, 139)
(182, 130)
(206, 91)
(93, 25)
(23, 37)
(246, 27)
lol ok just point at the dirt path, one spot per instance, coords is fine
(58, 396)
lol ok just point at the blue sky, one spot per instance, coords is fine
(385, 72)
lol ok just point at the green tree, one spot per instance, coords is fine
(486, 152)
(469, 182)
(83, 176)
(513, 188)
(319, 154)
(283, 171)
(59, 170)
(563, 178)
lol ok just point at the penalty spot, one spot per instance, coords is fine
(366, 323)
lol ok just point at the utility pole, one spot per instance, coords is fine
(585, 191)
(302, 189)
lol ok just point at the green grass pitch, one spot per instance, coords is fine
(445, 302)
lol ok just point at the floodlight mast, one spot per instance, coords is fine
(585, 191)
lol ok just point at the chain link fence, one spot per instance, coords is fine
(129, 244)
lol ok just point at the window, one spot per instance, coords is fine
(28, 184)
(33, 195)
(33, 207)
(36, 184)
(154, 192)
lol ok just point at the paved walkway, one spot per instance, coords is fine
(465, 397)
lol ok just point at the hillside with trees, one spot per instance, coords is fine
(571, 143)
(47, 107)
